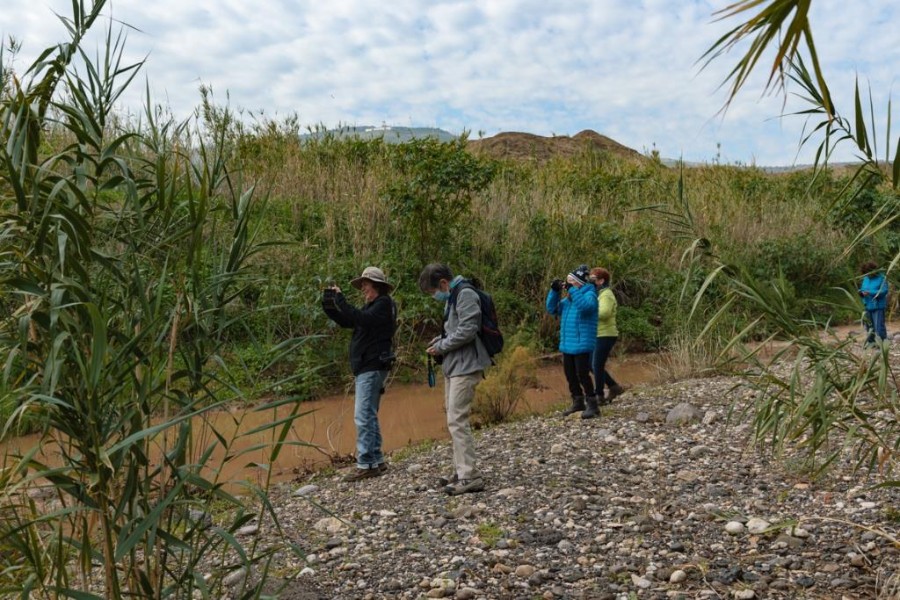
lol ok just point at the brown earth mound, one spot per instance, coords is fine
(530, 147)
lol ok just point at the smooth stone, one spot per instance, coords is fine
(235, 577)
(525, 571)
(329, 525)
(756, 525)
(306, 490)
(641, 582)
(799, 532)
(734, 528)
(677, 576)
(682, 414)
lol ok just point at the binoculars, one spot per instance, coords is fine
(560, 284)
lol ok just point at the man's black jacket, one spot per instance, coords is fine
(373, 331)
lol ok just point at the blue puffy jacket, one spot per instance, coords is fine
(877, 287)
(578, 318)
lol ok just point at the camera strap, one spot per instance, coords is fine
(432, 378)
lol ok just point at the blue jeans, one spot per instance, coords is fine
(875, 325)
(601, 352)
(365, 416)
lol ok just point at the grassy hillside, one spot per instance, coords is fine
(518, 223)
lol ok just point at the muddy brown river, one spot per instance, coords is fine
(409, 414)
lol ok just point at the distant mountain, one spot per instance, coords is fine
(389, 133)
(835, 166)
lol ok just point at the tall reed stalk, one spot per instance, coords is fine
(829, 396)
(120, 254)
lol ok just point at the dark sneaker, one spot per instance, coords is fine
(359, 474)
(616, 390)
(445, 481)
(465, 486)
(577, 406)
(591, 412)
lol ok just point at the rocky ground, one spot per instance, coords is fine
(631, 505)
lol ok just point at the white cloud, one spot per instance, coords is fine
(628, 70)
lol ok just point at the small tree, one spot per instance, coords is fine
(432, 196)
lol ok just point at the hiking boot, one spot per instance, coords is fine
(445, 481)
(465, 486)
(591, 411)
(616, 390)
(360, 474)
(603, 400)
(577, 406)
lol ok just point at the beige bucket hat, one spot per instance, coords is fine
(373, 274)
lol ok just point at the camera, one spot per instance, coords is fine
(328, 298)
(387, 359)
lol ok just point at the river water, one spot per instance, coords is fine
(409, 414)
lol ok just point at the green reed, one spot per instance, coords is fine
(122, 251)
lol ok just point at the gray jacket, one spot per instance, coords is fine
(461, 346)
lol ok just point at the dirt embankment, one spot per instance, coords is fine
(536, 148)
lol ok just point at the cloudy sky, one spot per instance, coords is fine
(626, 69)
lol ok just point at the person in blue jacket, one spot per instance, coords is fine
(873, 289)
(575, 302)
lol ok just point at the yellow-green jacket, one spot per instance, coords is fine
(606, 313)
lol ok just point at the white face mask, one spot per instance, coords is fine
(441, 295)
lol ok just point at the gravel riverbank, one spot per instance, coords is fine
(631, 505)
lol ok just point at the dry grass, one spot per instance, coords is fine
(499, 395)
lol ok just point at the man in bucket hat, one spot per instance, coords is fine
(371, 356)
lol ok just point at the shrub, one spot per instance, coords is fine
(499, 395)
(636, 333)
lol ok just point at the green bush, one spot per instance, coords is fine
(810, 266)
(636, 332)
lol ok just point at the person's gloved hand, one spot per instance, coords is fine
(328, 298)
(556, 285)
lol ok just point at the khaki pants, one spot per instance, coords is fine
(459, 392)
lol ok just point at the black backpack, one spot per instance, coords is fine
(489, 333)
